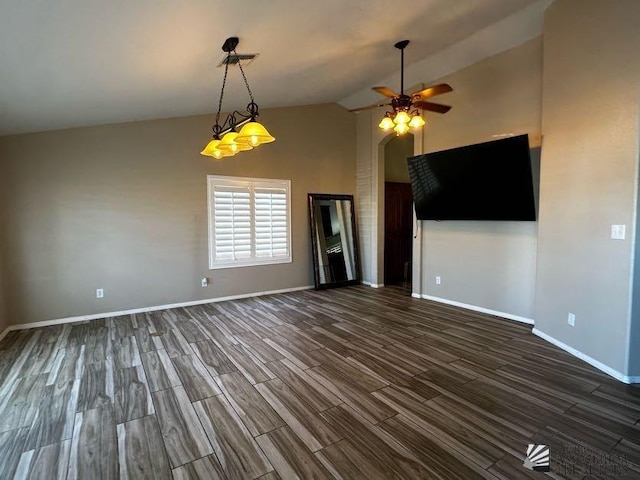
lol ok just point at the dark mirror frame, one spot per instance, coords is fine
(314, 246)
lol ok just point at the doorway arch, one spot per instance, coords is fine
(379, 140)
(398, 211)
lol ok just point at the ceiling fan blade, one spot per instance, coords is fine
(432, 91)
(387, 92)
(369, 107)
(432, 107)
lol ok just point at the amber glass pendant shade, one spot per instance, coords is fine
(229, 144)
(253, 133)
(212, 150)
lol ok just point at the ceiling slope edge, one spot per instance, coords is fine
(496, 38)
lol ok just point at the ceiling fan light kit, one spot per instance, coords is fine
(226, 140)
(405, 113)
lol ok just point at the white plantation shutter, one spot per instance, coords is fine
(232, 223)
(249, 221)
(271, 222)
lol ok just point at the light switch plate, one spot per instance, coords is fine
(618, 232)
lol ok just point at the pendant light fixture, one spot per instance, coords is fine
(227, 141)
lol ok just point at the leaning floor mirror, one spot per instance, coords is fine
(333, 240)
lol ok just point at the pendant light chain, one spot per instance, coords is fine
(244, 77)
(224, 81)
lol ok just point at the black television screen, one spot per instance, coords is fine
(485, 181)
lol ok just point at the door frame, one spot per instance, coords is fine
(377, 260)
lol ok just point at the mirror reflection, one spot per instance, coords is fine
(333, 240)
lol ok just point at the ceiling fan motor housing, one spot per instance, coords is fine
(401, 102)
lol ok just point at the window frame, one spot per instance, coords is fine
(251, 183)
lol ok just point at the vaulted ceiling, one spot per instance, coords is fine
(69, 63)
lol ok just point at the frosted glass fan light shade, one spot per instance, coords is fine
(386, 123)
(229, 144)
(416, 122)
(254, 134)
(401, 128)
(401, 118)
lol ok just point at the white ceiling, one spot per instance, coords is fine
(69, 63)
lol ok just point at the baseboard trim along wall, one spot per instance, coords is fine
(4, 333)
(96, 316)
(576, 353)
(591, 361)
(475, 308)
(372, 285)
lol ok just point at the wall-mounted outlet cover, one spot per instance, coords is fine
(204, 282)
(571, 319)
(618, 232)
(438, 280)
(99, 293)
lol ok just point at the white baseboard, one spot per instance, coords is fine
(576, 353)
(95, 316)
(4, 333)
(373, 285)
(591, 361)
(475, 308)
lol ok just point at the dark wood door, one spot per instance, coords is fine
(398, 220)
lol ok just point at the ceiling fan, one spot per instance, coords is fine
(406, 108)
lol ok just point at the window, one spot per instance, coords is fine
(249, 221)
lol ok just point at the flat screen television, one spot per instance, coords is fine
(485, 181)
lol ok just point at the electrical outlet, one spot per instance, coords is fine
(618, 232)
(571, 319)
(99, 293)
(438, 280)
(204, 282)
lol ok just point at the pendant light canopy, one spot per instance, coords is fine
(226, 140)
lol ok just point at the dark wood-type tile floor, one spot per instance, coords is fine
(348, 383)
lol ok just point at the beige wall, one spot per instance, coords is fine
(396, 152)
(589, 176)
(123, 207)
(4, 320)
